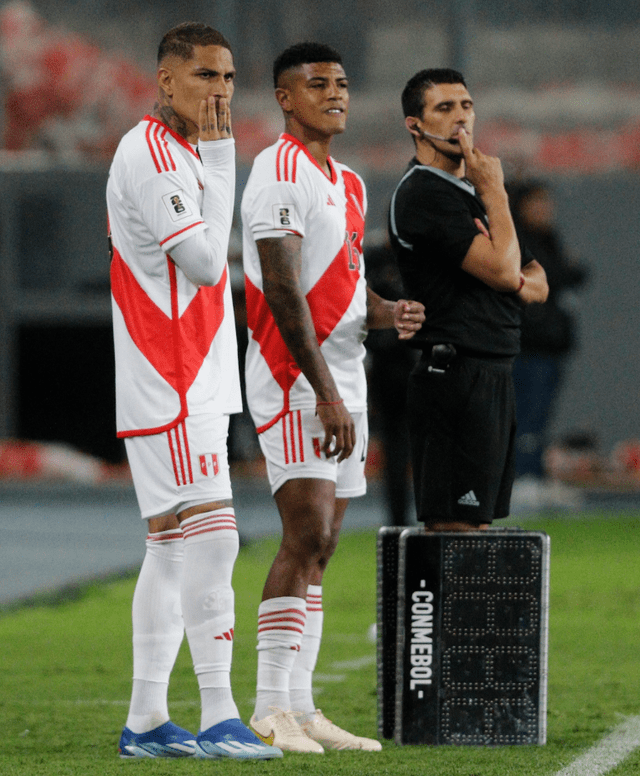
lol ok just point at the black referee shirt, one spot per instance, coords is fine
(431, 224)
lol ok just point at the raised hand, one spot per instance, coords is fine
(485, 172)
(214, 120)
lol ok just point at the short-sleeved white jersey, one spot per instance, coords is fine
(288, 193)
(175, 342)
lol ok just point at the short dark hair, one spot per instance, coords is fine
(413, 92)
(180, 41)
(303, 54)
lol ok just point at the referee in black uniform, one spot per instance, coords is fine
(458, 254)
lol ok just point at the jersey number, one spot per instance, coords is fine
(354, 253)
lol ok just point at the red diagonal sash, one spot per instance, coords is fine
(328, 300)
(176, 347)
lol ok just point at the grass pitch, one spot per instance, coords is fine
(66, 668)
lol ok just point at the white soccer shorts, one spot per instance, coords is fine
(292, 450)
(185, 466)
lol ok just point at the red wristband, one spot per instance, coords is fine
(521, 282)
(328, 403)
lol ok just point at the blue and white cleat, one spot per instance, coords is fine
(233, 740)
(168, 740)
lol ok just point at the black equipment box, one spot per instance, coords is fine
(462, 636)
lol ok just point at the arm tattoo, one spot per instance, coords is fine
(281, 287)
(281, 263)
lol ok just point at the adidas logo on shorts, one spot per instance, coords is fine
(469, 500)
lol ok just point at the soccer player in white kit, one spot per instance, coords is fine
(170, 200)
(308, 308)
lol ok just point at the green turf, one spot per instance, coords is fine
(66, 668)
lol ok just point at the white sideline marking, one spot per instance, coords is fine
(329, 677)
(353, 665)
(608, 752)
(341, 665)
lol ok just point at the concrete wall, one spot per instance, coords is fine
(600, 220)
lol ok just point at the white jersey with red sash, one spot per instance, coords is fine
(175, 343)
(288, 193)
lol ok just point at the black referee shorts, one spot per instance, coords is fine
(462, 424)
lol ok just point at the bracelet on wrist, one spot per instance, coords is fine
(328, 403)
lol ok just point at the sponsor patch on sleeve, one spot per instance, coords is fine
(284, 216)
(176, 205)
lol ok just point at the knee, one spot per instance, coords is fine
(311, 541)
(329, 549)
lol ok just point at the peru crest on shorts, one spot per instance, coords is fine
(209, 464)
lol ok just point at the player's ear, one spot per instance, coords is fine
(165, 80)
(283, 97)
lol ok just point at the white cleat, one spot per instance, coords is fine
(281, 729)
(323, 731)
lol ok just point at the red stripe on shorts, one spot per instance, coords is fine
(284, 439)
(180, 456)
(176, 473)
(300, 437)
(187, 451)
(293, 439)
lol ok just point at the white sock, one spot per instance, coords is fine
(280, 627)
(210, 550)
(157, 630)
(301, 681)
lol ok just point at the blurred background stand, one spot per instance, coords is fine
(557, 90)
(549, 337)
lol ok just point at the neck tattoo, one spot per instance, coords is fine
(168, 116)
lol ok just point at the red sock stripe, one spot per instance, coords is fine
(209, 524)
(282, 613)
(280, 628)
(314, 603)
(228, 636)
(165, 536)
(283, 620)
